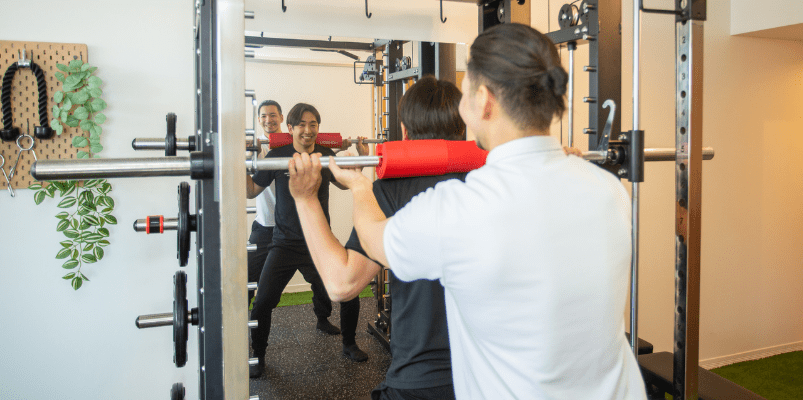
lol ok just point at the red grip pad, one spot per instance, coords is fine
(331, 140)
(427, 157)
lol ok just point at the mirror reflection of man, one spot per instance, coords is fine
(288, 250)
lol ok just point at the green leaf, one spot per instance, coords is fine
(94, 82)
(103, 242)
(85, 67)
(67, 202)
(91, 70)
(98, 253)
(106, 187)
(63, 253)
(62, 67)
(79, 141)
(94, 140)
(35, 186)
(110, 219)
(92, 220)
(103, 232)
(68, 276)
(72, 80)
(62, 215)
(68, 189)
(83, 154)
(70, 264)
(38, 197)
(89, 258)
(83, 276)
(55, 122)
(66, 243)
(92, 183)
(61, 79)
(59, 96)
(89, 196)
(74, 255)
(64, 114)
(109, 201)
(95, 92)
(80, 112)
(68, 88)
(74, 223)
(97, 130)
(98, 104)
(51, 189)
(77, 282)
(89, 247)
(86, 125)
(59, 129)
(107, 210)
(76, 63)
(83, 225)
(100, 118)
(93, 237)
(80, 97)
(71, 234)
(96, 148)
(72, 122)
(62, 225)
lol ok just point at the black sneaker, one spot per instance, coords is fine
(353, 353)
(255, 371)
(326, 327)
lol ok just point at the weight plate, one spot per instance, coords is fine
(180, 329)
(183, 228)
(177, 392)
(170, 138)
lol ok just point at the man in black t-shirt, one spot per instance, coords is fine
(289, 250)
(421, 365)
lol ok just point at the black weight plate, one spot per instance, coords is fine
(180, 329)
(170, 138)
(183, 229)
(177, 392)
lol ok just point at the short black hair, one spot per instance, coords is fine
(521, 67)
(429, 110)
(298, 110)
(269, 103)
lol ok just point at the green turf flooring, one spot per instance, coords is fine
(292, 299)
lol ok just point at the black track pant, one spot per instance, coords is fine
(280, 266)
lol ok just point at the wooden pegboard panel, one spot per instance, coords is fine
(25, 104)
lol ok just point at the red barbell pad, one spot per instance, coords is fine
(331, 140)
(427, 158)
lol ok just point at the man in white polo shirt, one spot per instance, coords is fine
(533, 249)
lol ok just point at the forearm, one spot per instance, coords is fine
(370, 222)
(344, 273)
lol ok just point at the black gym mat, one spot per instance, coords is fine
(302, 363)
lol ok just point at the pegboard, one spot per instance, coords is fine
(25, 105)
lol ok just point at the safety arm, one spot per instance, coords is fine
(345, 273)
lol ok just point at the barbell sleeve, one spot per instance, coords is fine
(92, 168)
(659, 154)
(252, 285)
(154, 320)
(280, 163)
(159, 144)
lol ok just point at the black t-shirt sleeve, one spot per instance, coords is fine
(265, 178)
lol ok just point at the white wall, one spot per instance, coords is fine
(750, 16)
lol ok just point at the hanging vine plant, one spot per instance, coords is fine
(87, 204)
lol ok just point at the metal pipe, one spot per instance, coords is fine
(660, 154)
(253, 323)
(635, 186)
(252, 285)
(169, 224)
(154, 320)
(91, 168)
(386, 98)
(249, 15)
(251, 210)
(571, 46)
(184, 144)
(250, 247)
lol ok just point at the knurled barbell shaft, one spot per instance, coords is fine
(171, 224)
(184, 143)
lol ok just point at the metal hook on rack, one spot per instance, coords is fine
(443, 20)
(284, 7)
(23, 62)
(366, 10)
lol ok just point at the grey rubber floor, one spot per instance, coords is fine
(303, 363)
